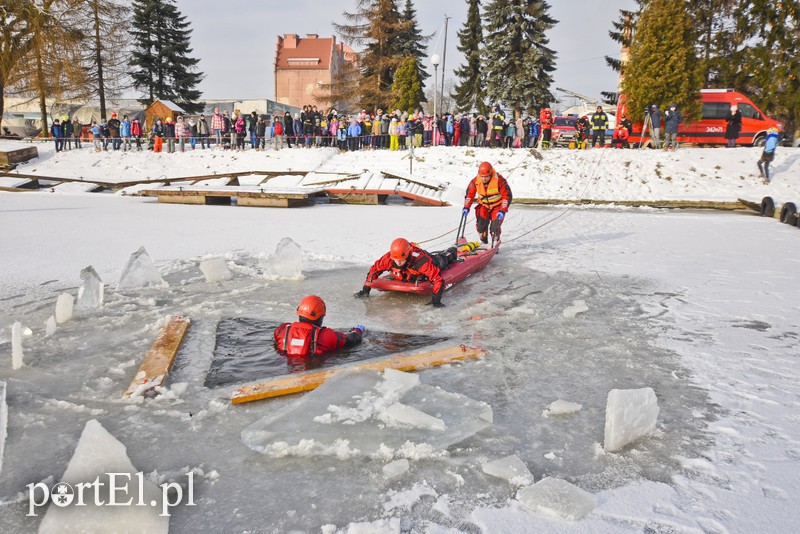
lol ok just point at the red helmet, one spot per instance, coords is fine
(485, 169)
(400, 249)
(311, 307)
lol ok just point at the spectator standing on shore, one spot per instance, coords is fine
(58, 134)
(136, 133)
(77, 130)
(227, 128)
(252, 127)
(191, 131)
(67, 126)
(240, 128)
(599, 127)
(158, 135)
(288, 128)
(217, 126)
(734, 121)
(277, 131)
(169, 134)
(125, 133)
(113, 131)
(202, 131)
(97, 135)
(261, 133)
(672, 118)
(655, 121)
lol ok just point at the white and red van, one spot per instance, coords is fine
(710, 129)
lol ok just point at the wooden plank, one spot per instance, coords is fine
(167, 198)
(56, 179)
(335, 180)
(265, 202)
(686, 204)
(19, 155)
(306, 382)
(423, 184)
(158, 360)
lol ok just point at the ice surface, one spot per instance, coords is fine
(578, 306)
(16, 345)
(50, 326)
(555, 497)
(3, 422)
(215, 270)
(561, 407)
(64, 307)
(140, 272)
(630, 414)
(90, 294)
(286, 262)
(99, 453)
(350, 415)
(510, 468)
(396, 468)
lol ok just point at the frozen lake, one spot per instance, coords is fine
(655, 302)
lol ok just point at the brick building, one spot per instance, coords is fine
(304, 64)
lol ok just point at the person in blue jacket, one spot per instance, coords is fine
(58, 134)
(769, 153)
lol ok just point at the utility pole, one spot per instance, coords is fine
(444, 58)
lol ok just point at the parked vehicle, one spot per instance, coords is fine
(563, 130)
(710, 129)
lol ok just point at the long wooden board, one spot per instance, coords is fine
(158, 360)
(306, 382)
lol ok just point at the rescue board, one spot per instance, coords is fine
(158, 360)
(471, 258)
(306, 382)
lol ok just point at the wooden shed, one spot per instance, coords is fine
(161, 109)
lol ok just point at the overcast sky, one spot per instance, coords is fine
(235, 40)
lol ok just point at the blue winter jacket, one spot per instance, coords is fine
(58, 130)
(125, 129)
(772, 142)
(354, 130)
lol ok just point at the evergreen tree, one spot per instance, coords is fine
(622, 34)
(163, 67)
(407, 86)
(412, 42)
(663, 68)
(517, 62)
(377, 25)
(470, 92)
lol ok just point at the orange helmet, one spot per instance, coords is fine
(485, 169)
(311, 307)
(400, 250)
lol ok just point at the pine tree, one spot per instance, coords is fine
(663, 67)
(377, 25)
(105, 49)
(163, 67)
(470, 92)
(412, 42)
(517, 62)
(407, 86)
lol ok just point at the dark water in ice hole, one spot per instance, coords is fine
(244, 351)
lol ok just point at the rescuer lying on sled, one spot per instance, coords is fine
(307, 337)
(493, 196)
(409, 263)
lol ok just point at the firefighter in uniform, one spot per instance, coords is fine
(307, 337)
(409, 263)
(493, 196)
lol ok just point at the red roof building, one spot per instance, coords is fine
(304, 65)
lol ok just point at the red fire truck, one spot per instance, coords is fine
(710, 129)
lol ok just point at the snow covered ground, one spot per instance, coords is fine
(700, 306)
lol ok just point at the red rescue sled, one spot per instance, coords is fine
(472, 257)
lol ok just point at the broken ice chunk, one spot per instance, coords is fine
(408, 415)
(98, 456)
(510, 468)
(351, 408)
(90, 294)
(286, 263)
(50, 326)
(630, 414)
(557, 498)
(561, 407)
(215, 270)
(140, 271)
(578, 306)
(16, 345)
(64, 307)
(395, 469)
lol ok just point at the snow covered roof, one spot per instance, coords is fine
(172, 105)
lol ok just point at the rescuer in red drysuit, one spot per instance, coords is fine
(307, 337)
(493, 196)
(408, 263)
